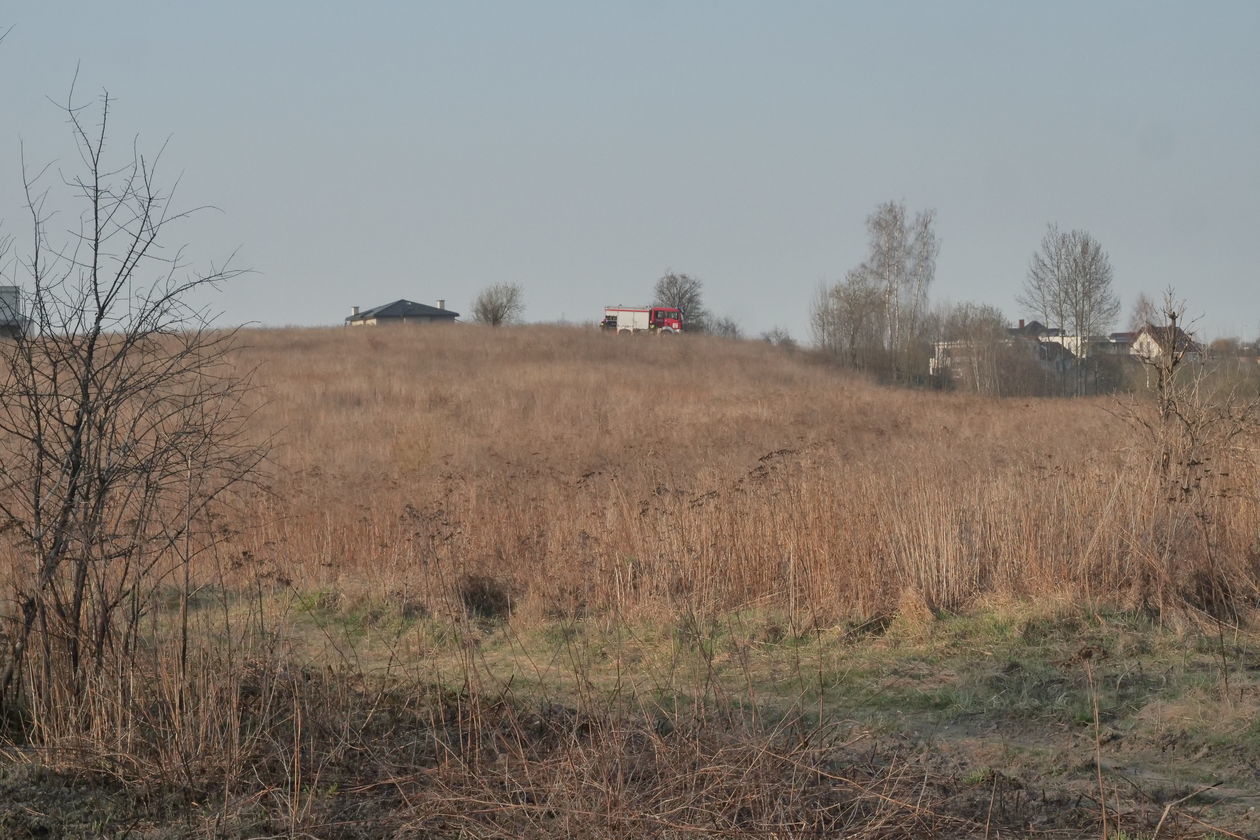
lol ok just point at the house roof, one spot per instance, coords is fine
(403, 309)
(1168, 336)
(1034, 329)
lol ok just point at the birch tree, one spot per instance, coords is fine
(1069, 286)
(1045, 292)
(1092, 301)
(901, 264)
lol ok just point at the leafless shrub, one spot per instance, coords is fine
(1197, 442)
(121, 424)
(499, 304)
(485, 597)
(779, 337)
(725, 327)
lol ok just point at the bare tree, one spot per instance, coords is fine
(902, 264)
(499, 304)
(848, 322)
(1069, 283)
(1145, 313)
(725, 327)
(684, 292)
(1094, 304)
(977, 334)
(1069, 286)
(1045, 292)
(779, 337)
(121, 423)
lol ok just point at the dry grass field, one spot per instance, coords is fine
(578, 475)
(542, 581)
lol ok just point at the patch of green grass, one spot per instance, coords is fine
(981, 628)
(318, 602)
(363, 618)
(1005, 665)
(978, 776)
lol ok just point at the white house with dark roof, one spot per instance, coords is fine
(401, 312)
(1152, 342)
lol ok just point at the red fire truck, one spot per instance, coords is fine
(663, 320)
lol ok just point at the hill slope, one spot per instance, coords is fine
(586, 472)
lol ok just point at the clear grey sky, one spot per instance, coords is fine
(363, 152)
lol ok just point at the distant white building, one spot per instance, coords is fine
(1060, 352)
(1032, 340)
(1092, 346)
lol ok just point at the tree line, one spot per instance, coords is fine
(879, 318)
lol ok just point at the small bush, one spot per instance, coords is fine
(485, 597)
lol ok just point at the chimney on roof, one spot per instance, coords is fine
(1021, 323)
(441, 303)
(354, 310)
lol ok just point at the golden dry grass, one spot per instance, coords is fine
(581, 472)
